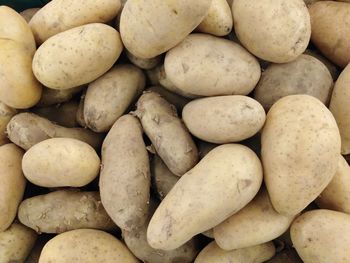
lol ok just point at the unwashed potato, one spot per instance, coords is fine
(6, 113)
(29, 13)
(149, 29)
(59, 162)
(300, 152)
(144, 63)
(60, 15)
(332, 68)
(86, 245)
(51, 97)
(177, 100)
(230, 172)
(205, 65)
(274, 30)
(77, 56)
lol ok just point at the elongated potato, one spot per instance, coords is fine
(177, 100)
(29, 13)
(59, 162)
(205, 65)
(169, 136)
(125, 174)
(230, 172)
(144, 63)
(51, 97)
(224, 119)
(300, 152)
(6, 114)
(12, 183)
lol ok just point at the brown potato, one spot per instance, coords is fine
(6, 113)
(51, 97)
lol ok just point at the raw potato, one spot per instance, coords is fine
(6, 114)
(144, 63)
(12, 183)
(38, 247)
(224, 119)
(177, 100)
(51, 97)
(230, 172)
(300, 152)
(286, 256)
(125, 174)
(16, 243)
(169, 136)
(59, 162)
(322, 236)
(64, 210)
(332, 68)
(29, 13)
(257, 254)
(305, 75)
(205, 65)
(77, 56)
(86, 245)
(255, 224)
(108, 97)
(149, 29)
(80, 112)
(18, 87)
(274, 30)
(60, 15)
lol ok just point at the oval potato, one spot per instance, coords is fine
(6, 114)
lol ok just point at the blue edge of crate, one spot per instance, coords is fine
(20, 5)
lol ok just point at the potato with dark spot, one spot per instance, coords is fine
(51, 97)
(6, 113)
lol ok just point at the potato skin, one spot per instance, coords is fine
(77, 56)
(144, 63)
(6, 114)
(224, 119)
(125, 174)
(205, 65)
(29, 13)
(300, 152)
(51, 97)
(59, 162)
(173, 98)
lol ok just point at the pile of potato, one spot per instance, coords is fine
(175, 131)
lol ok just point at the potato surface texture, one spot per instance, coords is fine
(6, 114)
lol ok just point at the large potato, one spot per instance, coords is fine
(300, 152)
(230, 172)
(205, 65)
(6, 113)
(150, 28)
(51, 97)
(224, 119)
(273, 30)
(77, 56)
(61, 162)
(29, 13)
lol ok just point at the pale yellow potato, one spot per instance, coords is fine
(86, 245)
(144, 63)
(300, 152)
(12, 183)
(59, 162)
(322, 236)
(18, 87)
(205, 65)
(332, 68)
(51, 97)
(255, 224)
(29, 13)
(149, 29)
(177, 100)
(274, 30)
(16, 243)
(230, 172)
(257, 254)
(61, 15)
(6, 113)
(77, 56)
(224, 119)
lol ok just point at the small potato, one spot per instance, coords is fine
(144, 63)
(29, 13)
(60, 15)
(274, 30)
(77, 56)
(224, 119)
(286, 256)
(51, 97)
(322, 236)
(61, 162)
(177, 100)
(6, 114)
(205, 65)
(86, 245)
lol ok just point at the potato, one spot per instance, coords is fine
(177, 100)
(255, 224)
(29, 13)
(144, 63)
(6, 114)
(149, 29)
(224, 119)
(61, 162)
(305, 75)
(322, 236)
(108, 97)
(51, 97)
(64, 210)
(205, 65)
(218, 21)
(209, 233)
(274, 30)
(12, 183)
(300, 152)
(169, 136)
(257, 254)
(286, 256)
(18, 87)
(86, 245)
(61, 15)
(77, 56)
(333, 69)
(16, 243)
(80, 112)
(230, 172)
(38, 247)
(125, 174)
(28, 129)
